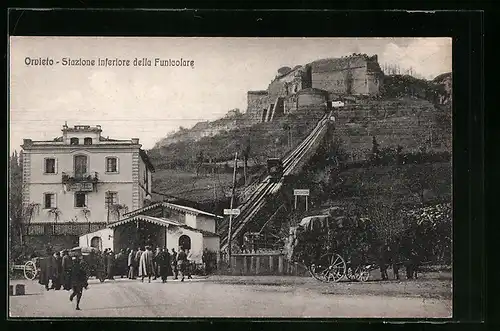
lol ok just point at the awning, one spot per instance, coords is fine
(144, 218)
(162, 222)
(173, 206)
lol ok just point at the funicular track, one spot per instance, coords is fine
(258, 198)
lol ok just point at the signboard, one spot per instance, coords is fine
(337, 104)
(231, 212)
(82, 187)
(301, 192)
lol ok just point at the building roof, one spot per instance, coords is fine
(162, 222)
(147, 161)
(263, 92)
(185, 209)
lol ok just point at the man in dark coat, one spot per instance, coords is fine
(163, 262)
(67, 264)
(110, 265)
(57, 278)
(156, 271)
(121, 267)
(182, 263)
(78, 280)
(131, 264)
(45, 271)
(384, 259)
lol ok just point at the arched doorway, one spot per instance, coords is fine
(185, 242)
(96, 242)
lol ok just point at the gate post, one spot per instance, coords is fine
(233, 264)
(257, 265)
(280, 264)
(271, 264)
(245, 266)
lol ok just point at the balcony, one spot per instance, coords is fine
(85, 182)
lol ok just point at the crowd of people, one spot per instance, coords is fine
(62, 271)
(69, 273)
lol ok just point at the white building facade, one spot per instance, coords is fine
(83, 180)
(161, 224)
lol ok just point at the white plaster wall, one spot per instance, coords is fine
(196, 241)
(191, 220)
(211, 243)
(106, 236)
(205, 223)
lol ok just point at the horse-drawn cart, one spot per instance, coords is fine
(325, 241)
(32, 268)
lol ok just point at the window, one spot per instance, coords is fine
(80, 199)
(111, 198)
(111, 164)
(49, 200)
(96, 242)
(87, 141)
(50, 166)
(73, 141)
(80, 165)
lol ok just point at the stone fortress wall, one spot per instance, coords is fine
(315, 83)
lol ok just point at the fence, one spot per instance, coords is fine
(50, 229)
(261, 264)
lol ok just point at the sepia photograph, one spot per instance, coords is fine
(181, 177)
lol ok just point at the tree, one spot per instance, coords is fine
(15, 195)
(246, 156)
(117, 209)
(199, 161)
(375, 150)
(418, 180)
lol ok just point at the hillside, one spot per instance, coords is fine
(234, 119)
(202, 170)
(411, 123)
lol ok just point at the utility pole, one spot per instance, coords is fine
(231, 207)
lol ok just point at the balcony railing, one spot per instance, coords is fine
(89, 177)
(80, 181)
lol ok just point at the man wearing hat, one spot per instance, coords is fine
(67, 264)
(78, 279)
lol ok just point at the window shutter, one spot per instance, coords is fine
(117, 164)
(56, 168)
(53, 203)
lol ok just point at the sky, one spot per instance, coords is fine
(148, 102)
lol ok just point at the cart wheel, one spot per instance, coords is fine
(364, 276)
(30, 270)
(330, 267)
(351, 274)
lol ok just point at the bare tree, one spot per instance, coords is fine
(117, 209)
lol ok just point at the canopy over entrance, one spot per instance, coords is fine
(141, 230)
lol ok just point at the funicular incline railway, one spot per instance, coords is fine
(270, 186)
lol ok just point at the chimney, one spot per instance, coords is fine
(27, 142)
(135, 141)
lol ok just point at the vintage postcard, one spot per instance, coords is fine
(230, 177)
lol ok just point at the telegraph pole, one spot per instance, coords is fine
(231, 207)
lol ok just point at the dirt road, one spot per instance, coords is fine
(239, 297)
